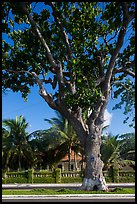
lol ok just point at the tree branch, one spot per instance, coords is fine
(106, 42)
(60, 76)
(62, 30)
(100, 57)
(119, 70)
(125, 69)
(43, 93)
(19, 71)
(113, 36)
(126, 19)
(126, 14)
(77, 125)
(121, 84)
(71, 85)
(39, 35)
(99, 81)
(95, 113)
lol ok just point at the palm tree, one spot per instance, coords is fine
(47, 147)
(128, 148)
(67, 135)
(15, 143)
(111, 150)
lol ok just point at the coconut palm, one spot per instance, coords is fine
(128, 148)
(67, 136)
(15, 143)
(112, 152)
(47, 147)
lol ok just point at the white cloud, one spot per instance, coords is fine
(107, 118)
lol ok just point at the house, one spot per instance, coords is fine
(75, 162)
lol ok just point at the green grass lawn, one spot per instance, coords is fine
(44, 191)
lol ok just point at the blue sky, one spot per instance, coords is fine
(36, 110)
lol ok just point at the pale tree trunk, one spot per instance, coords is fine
(93, 178)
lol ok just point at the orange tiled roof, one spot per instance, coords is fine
(78, 157)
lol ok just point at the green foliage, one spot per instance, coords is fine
(113, 174)
(16, 180)
(57, 174)
(30, 175)
(15, 146)
(44, 180)
(126, 91)
(45, 176)
(63, 135)
(87, 25)
(118, 151)
(128, 148)
(48, 147)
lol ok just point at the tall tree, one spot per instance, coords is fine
(128, 148)
(68, 136)
(114, 151)
(15, 145)
(48, 147)
(88, 50)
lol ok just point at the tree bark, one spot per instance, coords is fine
(93, 177)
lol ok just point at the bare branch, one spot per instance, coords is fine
(43, 93)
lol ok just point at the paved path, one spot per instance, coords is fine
(62, 185)
(70, 198)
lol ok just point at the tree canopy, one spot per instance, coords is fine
(84, 50)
